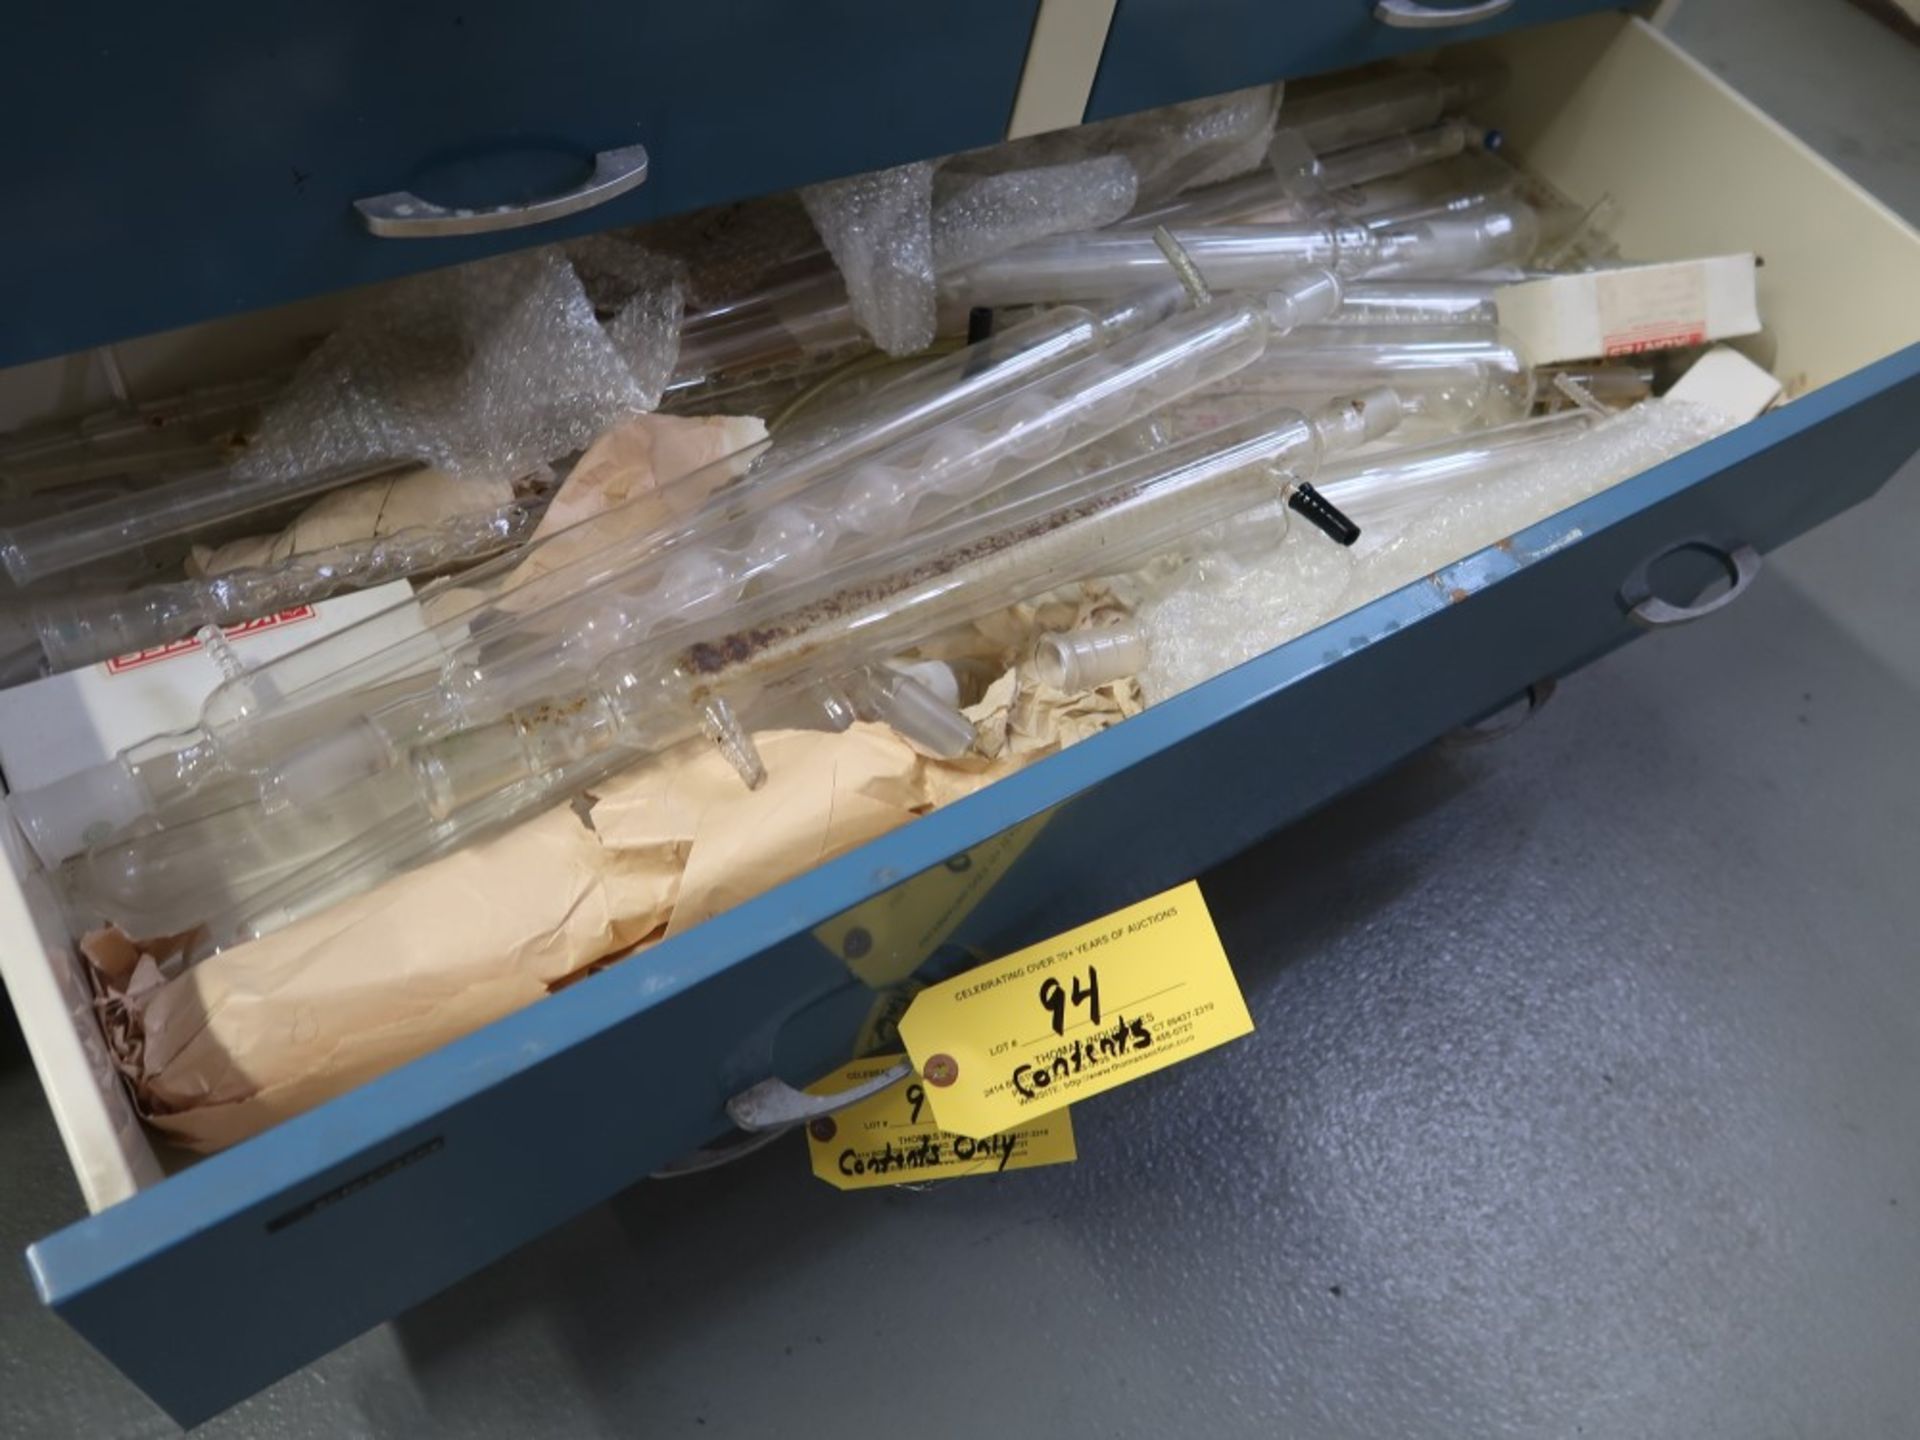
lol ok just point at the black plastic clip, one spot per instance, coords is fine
(1325, 515)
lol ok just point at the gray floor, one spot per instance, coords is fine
(1585, 1097)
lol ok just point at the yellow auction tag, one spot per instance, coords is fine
(892, 1138)
(1075, 1015)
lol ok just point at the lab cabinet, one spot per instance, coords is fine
(1160, 51)
(169, 164)
(270, 1253)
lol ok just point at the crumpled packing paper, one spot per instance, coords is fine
(640, 475)
(253, 1035)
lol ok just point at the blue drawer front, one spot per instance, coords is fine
(276, 1251)
(1159, 51)
(163, 166)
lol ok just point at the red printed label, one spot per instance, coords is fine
(1654, 337)
(1652, 308)
(153, 655)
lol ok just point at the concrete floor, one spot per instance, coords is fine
(1584, 1099)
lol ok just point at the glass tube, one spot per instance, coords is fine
(1073, 660)
(1395, 155)
(1469, 182)
(1615, 384)
(165, 882)
(1457, 376)
(38, 548)
(1273, 193)
(1417, 302)
(251, 717)
(298, 726)
(82, 628)
(1355, 113)
(1449, 246)
(1097, 263)
(195, 427)
(808, 317)
(1382, 486)
(890, 494)
(936, 389)
(651, 697)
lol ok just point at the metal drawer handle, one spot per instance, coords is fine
(1504, 721)
(405, 216)
(770, 1109)
(1412, 15)
(776, 1105)
(1742, 564)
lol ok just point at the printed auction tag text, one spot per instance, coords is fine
(892, 1138)
(1074, 1016)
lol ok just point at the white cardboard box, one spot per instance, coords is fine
(1632, 309)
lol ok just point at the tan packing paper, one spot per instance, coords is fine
(264, 1031)
(1018, 721)
(634, 460)
(627, 467)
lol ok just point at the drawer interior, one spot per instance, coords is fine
(1606, 106)
(1602, 106)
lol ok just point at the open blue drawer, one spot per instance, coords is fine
(163, 166)
(273, 1252)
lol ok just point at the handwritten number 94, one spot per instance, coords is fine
(1054, 996)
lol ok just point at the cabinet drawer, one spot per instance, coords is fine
(274, 1251)
(1159, 51)
(165, 166)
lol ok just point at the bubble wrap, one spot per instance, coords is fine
(1216, 614)
(889, 237)
(1200, 142)
(878, 228)
(486, 369)
(975, 216)
(1171, 149)
(639, 297)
